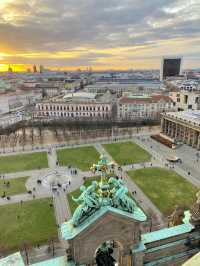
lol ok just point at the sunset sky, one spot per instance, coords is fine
(101, 34)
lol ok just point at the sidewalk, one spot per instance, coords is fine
(162, 161)
(23, 197)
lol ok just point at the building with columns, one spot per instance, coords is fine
(182, 126)
(75, 105)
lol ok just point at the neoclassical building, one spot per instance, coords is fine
(77, 105)
(182, 126)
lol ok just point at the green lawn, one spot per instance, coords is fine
(17, 186)
(76, 193)
(127, 153)
(33, 222)
(165, 188)
(82, 158)
(23, 162)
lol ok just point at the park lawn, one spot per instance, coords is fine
(82, 158)
(17, 186)
(32, 222)
(76, 193)
(23, 162)
(127, 153)
(165, 188)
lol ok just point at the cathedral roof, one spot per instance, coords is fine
(68, 231)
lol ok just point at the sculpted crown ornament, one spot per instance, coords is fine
(110, 191)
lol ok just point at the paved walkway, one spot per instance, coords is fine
(23, 197)
(60, 206)
(26, 173)
(52, 158)
(160, 156)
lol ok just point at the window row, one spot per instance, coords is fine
(72, 108)
(62, 114)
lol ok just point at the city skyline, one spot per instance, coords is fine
(99, 34)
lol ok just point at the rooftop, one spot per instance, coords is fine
(145, 99)
(12, 260)
(59, 261)
(186, 116)
(68, 231)
(80, 95)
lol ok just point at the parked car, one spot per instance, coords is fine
(174, 159)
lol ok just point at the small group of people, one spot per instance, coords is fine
(73, 172)
(170, 166)
(6, 184)
(4, 196)
(2, 176)
(56, 189)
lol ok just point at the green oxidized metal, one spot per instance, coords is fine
(110, 191)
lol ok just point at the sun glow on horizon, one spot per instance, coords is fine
(15, 67)
(51, 33)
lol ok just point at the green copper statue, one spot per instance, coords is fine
(88, 200)
(120, 199)
(110, 191)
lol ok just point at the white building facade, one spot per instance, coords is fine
(144, 107)
(73, 110)
(9, 120)
(186, 99)
(182, 126)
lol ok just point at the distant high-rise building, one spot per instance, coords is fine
(170, 66)
(41, 69)
(10, 69)
(34, 69)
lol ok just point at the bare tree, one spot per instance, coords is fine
(51, 244)
(40, 128)
(26, 247)
(23, 137)
(32, 137)
(3, 250)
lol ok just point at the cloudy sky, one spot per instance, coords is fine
(103, 34)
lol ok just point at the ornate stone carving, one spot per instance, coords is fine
(176, 217)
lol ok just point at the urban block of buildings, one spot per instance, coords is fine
(117, 95)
